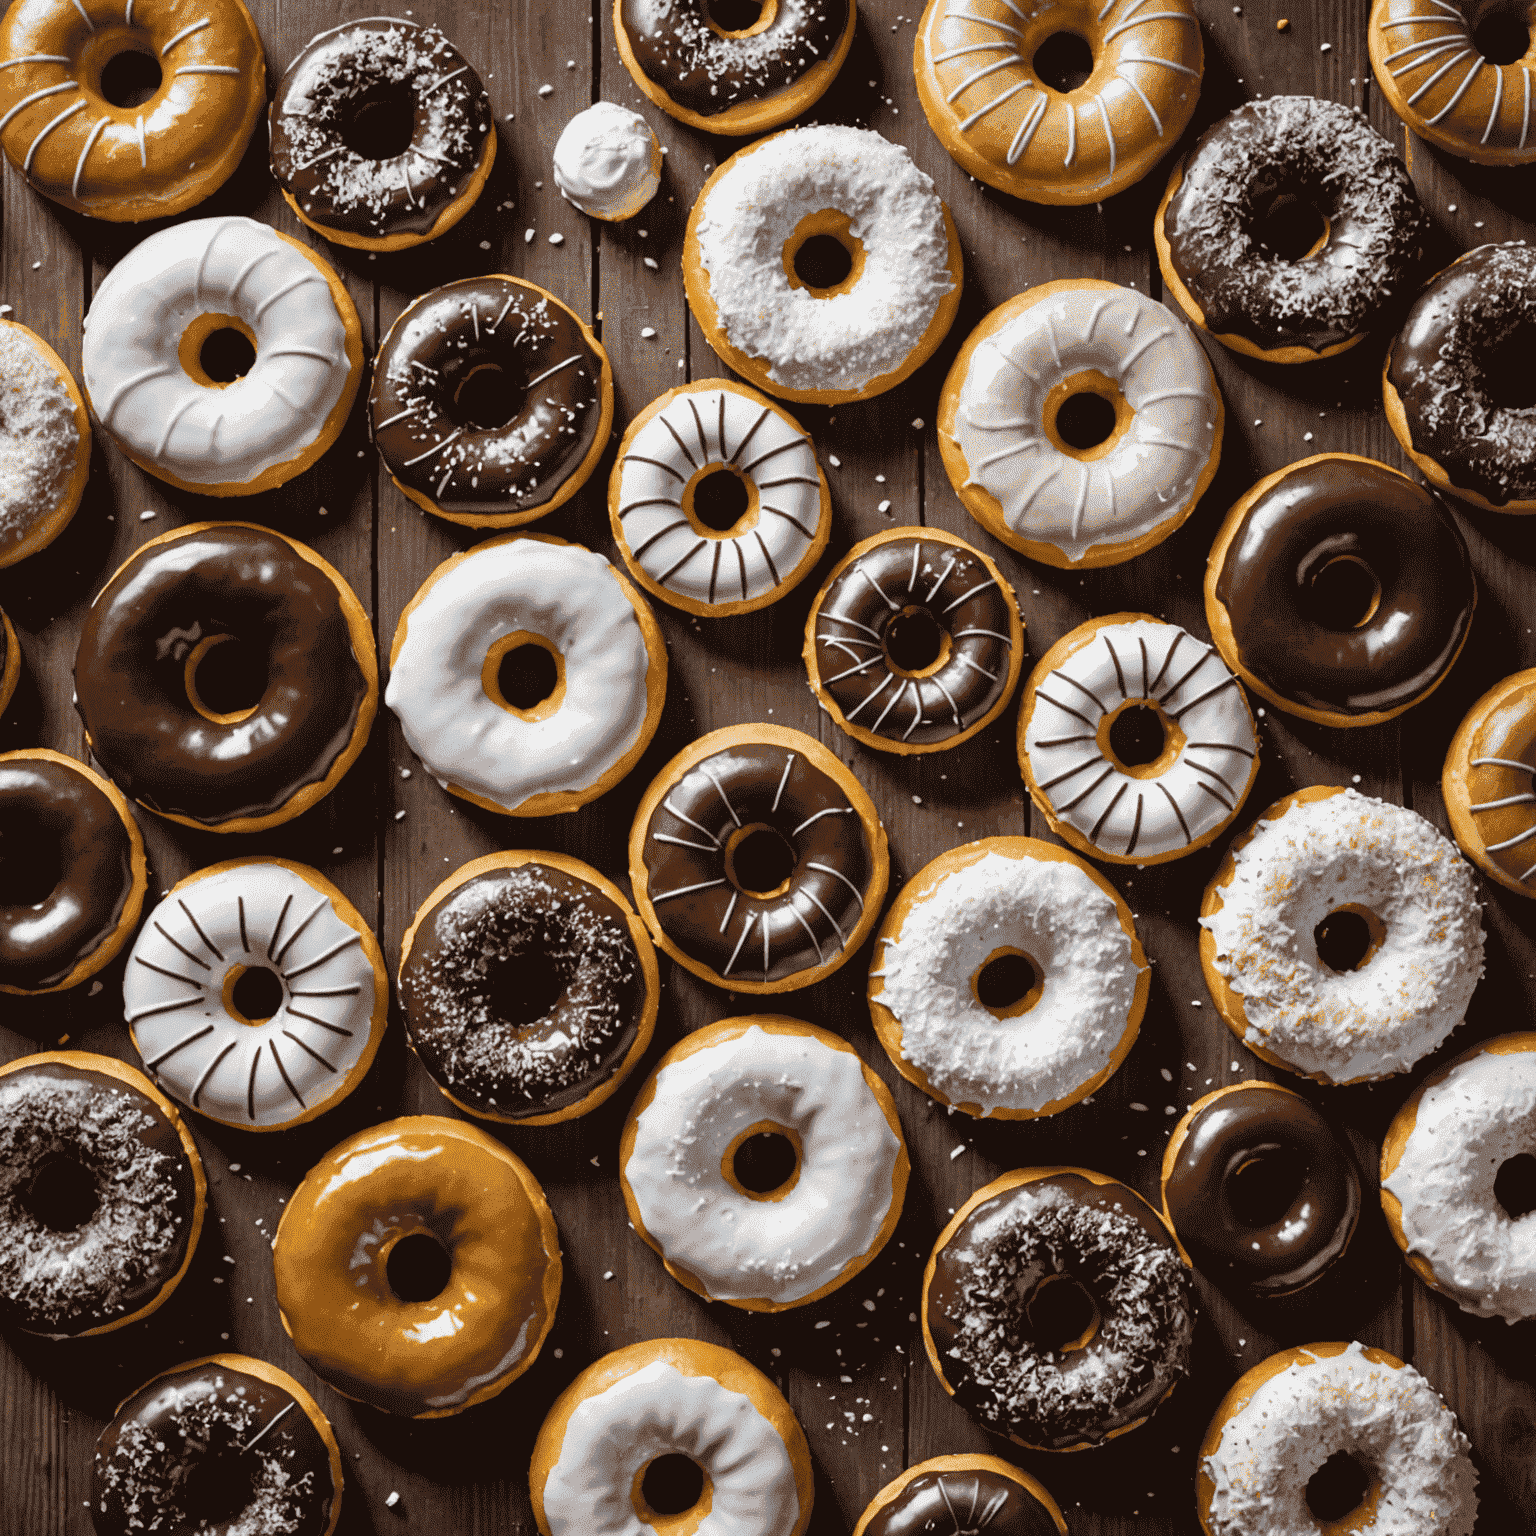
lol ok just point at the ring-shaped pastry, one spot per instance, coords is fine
(1489, 783)
(960, 1495)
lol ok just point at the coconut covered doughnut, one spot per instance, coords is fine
(1342, 936)
(1487, 783)
(962, 1496)
(607, 162)
(1008, 979)
(819, 335)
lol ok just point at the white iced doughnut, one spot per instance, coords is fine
(607, 161)
(183, 990)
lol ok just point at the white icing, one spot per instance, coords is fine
(1396, 1008)
(1202, 787)
(257, 916)
(658, 1411)
(1467, 1127)
(607, 161)
(1057, 913)
(752, 1249)
(575, 600)
(844, 341)
(719, 426)
(133, 374)
(1148, 479)
(39, 439)
(1391, 1421)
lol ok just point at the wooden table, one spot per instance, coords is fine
(852, 1366)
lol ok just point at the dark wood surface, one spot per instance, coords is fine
(852, 1366)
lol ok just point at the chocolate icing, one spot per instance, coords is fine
(51, 815)
(1402, 533)
(1324, 155)
(435, 346)
(1298, 1245)
(130, 692)
(974, 1502)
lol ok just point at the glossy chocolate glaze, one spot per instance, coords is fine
(965, 600)
(435, 346)
(975, 1502)
(130, 691)
(1297, 1246)
(1401, 533)
(191, 1443)
(52, 817)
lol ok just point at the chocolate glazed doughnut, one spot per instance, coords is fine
(970, 1495)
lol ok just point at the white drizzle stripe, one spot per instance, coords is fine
(184, 34)
(68, 112)
(89, 145)
(36, 58)
(36, 96)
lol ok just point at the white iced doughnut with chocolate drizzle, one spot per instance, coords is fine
(256, 994)
(1135, 740)
(717, 500)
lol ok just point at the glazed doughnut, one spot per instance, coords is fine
(67, 69)
(375, 1310)
(921, 609)
(1056, 1308)
(819, 337)
(701, 1189)
(10, 661)
(653, 1401)
(1008, 980)
(1294, 1412)
(506, 351)
(959, 1496)
(1448, 1162)
(72, 886)
(733, 82)
(359, 89)
(737, 477)
(1110, 723)
(1272, 167)
(1487, 783)
(1450, 370)
(990, 102)
(529, 987)
(1260, 1193)
(288, 707)
(1340, 590)
(1395, 927)
(256, 994)
(758, 833)
(224, 1426)
(45, 445)
(593, 698)
(102, 1195)
(607, 162)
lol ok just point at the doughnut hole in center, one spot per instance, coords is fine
(524, 674)
(381, 122)
(1008, 983)
(763, 1161)
(415, 1265)
(1140, 738)
(914, 642)
(31, 868)
(672, 1494)
(1343, 1494)
(1287, 227)
(1085, 415)
(1349, 937)
(823, 255)
(121, 65)
(1061, 1315)
(1262, 1189)
(1341, 590)
(739, 18)
(62, 1194)
(760, 861)
(720, 502)
(225, 678)
(217, 350)
(252, 994)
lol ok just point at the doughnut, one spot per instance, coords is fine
(1487, 783)
(529, 987)
(491, 402)
(269, 728)
(577, 646)
(962, 1496)
(129, 109)
(1008, 980)
(215, 1443)
(1024, 130)
(10, 661)
(1335, 1437)
(1261, 1195)
(1453, 378)
(729, 81)
(764, 1162)
(102, 1195)
(256, 994)
(607, 162)
(1340, 590)
(1396, 936)
(72, 888)
(1124, 706)
(920, 609)
(1080, 423)
(737, 477)
(418, 1267)
(1456, 1181)
(1231, 228)
(615, 1437)
(1056, 1308)
(45, 444)
(786, 310)
(401, 125)
(759, 833)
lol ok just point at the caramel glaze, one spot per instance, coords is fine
(131, 693)
(976, 1502)
(1406, 539)
(57, 820)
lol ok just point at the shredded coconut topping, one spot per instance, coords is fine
(38, 435)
